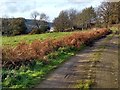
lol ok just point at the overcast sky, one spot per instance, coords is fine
(23, 8)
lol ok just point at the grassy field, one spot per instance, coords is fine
(13, 40)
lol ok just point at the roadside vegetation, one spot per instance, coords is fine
(26, 64)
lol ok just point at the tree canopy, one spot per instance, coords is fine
(13, 26)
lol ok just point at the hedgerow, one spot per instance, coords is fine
(25, 54)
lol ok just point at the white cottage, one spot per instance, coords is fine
(52, 29)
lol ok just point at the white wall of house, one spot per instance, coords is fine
(52, 29)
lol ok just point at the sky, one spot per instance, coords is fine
(24, 8)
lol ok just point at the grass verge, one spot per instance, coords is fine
(87, 84)
(28, 76)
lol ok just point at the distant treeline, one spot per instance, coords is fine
(18, 26)
(105, 15)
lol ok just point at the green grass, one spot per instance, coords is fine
(84, 85)
(27, 76)
(114, 29)
(13, 40)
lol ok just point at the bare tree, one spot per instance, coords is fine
(43, 17)
(62, 22)
(72, 16)
(85, 17)
(40, 20)
(109, 13)
(34, 15)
